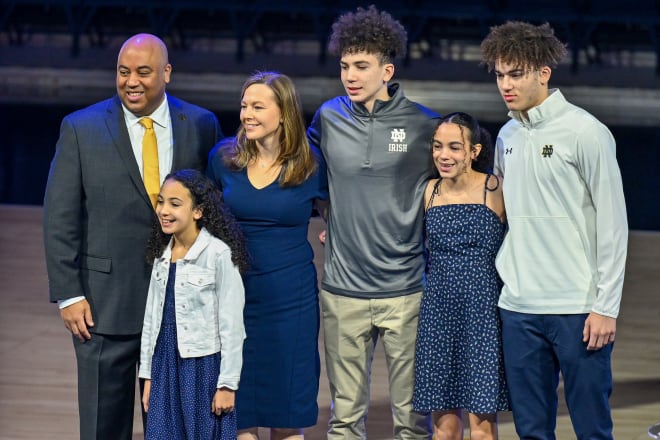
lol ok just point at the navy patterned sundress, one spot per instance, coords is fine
(458, 358)
(182, 389)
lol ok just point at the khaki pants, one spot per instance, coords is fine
(351, 328)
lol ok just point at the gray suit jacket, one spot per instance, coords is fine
(97, 215)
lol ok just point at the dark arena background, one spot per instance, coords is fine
(57, 56)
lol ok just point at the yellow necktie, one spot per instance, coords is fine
(150, 160)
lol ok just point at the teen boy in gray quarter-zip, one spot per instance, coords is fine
(378, 163)
(376, 144)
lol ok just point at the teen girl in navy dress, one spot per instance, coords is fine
(458, 358)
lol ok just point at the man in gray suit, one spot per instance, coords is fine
(97, 220)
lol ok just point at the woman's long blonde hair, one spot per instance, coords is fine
(295, 155)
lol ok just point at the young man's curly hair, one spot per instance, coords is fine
(523, 45)
(216, 218)
(368, 30)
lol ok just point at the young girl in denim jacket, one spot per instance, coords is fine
(192, 339)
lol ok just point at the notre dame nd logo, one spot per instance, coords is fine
(547, 151)
(398, 137)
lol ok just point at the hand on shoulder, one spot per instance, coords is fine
(495, 198)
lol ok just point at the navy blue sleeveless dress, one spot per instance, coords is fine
(182, 389)
(458, 358)
(281, 364)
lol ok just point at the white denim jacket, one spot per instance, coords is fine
(209, 307)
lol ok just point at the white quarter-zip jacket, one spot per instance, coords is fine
(565, 251)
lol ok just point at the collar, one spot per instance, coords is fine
(160, 116)
(548, 109)
(202, 241)
(393, 91)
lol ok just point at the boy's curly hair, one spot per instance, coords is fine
(368, 30)
(523, 45)
(216, 218)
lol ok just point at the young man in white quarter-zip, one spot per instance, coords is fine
(563, 259)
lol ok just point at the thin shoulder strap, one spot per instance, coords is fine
(486, 189)
(433, 193)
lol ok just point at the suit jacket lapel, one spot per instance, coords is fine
(117, 127)
(180, 133)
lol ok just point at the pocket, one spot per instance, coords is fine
(546, 255)
(199, 287)
(98, 264)
(202, 305)
(200, 280)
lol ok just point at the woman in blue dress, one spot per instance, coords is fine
(270, 179)
(458, 358)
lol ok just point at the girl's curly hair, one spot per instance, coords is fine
(476, 135)
(371, 31)
(522, 44)
(216, 218)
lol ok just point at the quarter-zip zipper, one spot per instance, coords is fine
(367, 160)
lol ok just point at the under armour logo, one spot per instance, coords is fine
(547, 151)
(508, 150)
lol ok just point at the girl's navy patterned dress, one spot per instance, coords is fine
(182, 388)
(458, 359)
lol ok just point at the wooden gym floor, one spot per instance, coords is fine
(37, 366)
